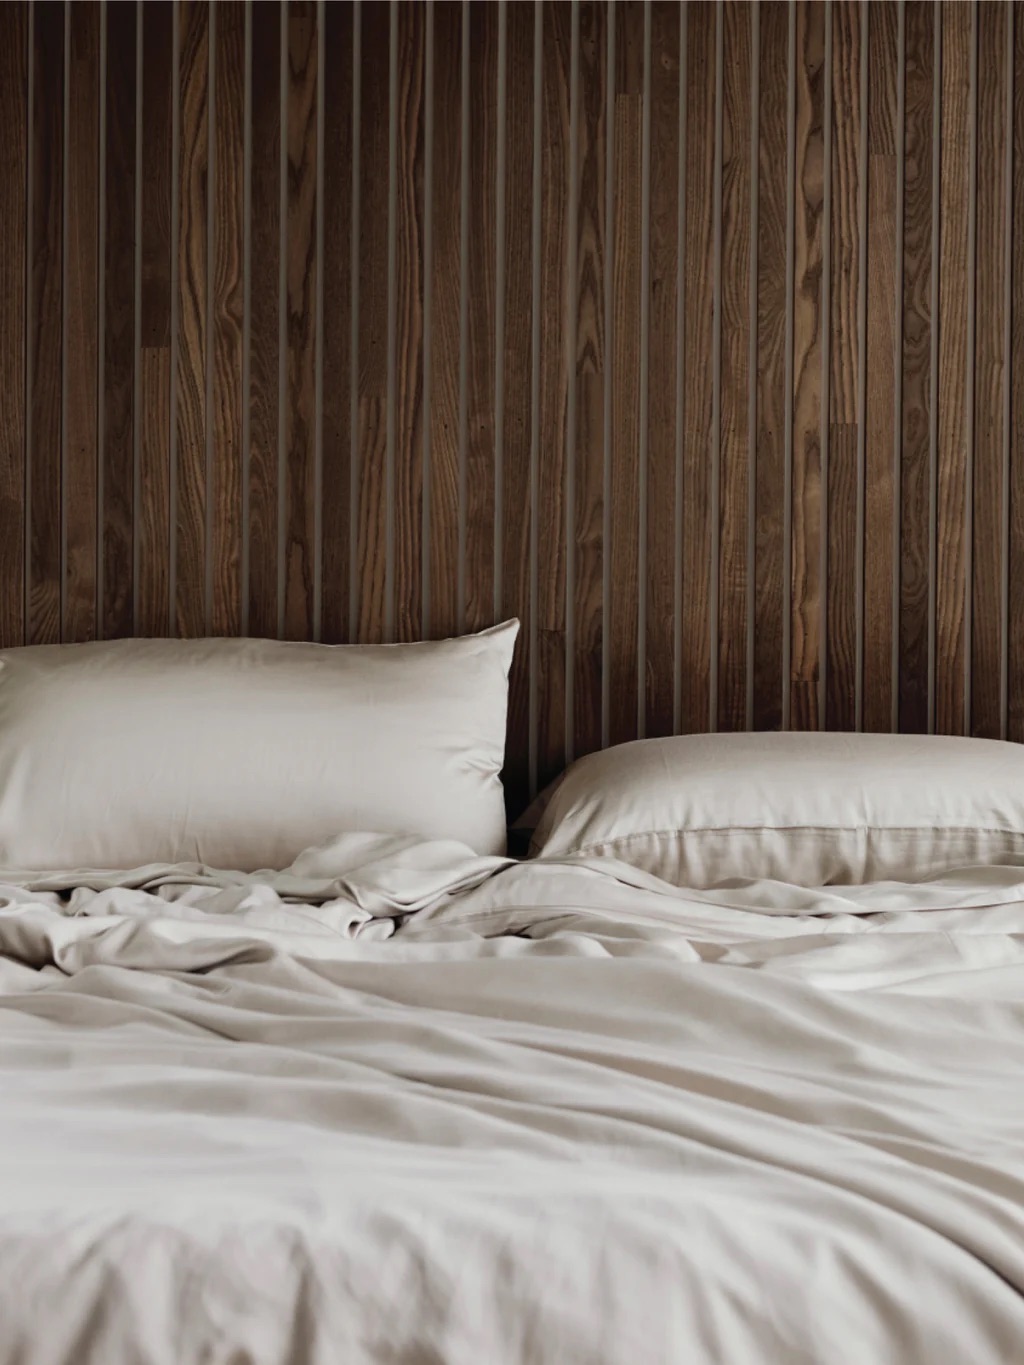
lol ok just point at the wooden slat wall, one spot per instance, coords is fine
(692, 334)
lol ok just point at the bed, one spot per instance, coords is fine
(411, 1101)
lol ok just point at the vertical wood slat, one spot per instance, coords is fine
(44, 335)
(844, 374)
(118, 438)
(515, 350)
(661, 415)
(769, 595)
(14, 154)
(916, 377)
(990, 369)
(300, 324)
(1015, 568)
(226, 320)
(81, 417)
(950, 568)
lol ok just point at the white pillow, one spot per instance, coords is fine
(241, 753)
(811, 809)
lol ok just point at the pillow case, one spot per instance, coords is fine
(241, 753)
(811, 809)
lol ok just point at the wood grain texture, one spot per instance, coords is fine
(226, 321)
(661, 416)
(735, 434)
(554, 390)
(265, 248)
(119, 329)
(446, 294)
(844, 368)
(44, 327)
(950, 568)
(81, 339)
(302, 286)
(881, 360)
(624, 549)
(807, 338)
(408, 509)
(1015, 569)
(153, 530)
(516, 355)
(990, 374)
(481, 340)
(14, 28)
(374, 585)
(771, 597)
(336, 504)
(915, 467)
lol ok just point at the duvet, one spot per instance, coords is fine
(408, 1106)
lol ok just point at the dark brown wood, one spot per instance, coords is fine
(990, 369)
(591, 375)
(627, 227)
(446, 294)
(881, 360)
(153, 529)
(409, 242)
(515, 350)
(734, 409)
(660, 512)
(375, 587)
(844, 369)
(954, 209)
(81, 340)
(302, 286)
(915, 475)
(14, 26)
(226, 321)
(1015, 569)
(119, 329)
(264, 379)
(771, 597)
(44, 327)
(336, 505)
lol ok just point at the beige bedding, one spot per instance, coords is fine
(564, 1114)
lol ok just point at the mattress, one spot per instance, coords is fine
(405, 1105)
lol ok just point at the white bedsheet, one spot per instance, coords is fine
(564, 1114)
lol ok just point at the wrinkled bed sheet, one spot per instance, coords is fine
(405, 1105)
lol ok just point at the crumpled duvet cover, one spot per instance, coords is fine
(405, 1105)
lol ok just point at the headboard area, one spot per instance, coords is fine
(692, 334)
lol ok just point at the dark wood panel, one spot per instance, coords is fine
(954, 209)
(81, 338)
(771, 597)
(44, 326)
(374, 585)
(119, 329)
(409, 234)
(336, 505)
(807, 335)
(14, 23)
(881, 360)
(915, 476)
(153, 529)
(990, 373)
(226, 320)
(1015, 569)
(446, 294)
(844, 368)
(482, 132)
(734, 413)
(553, 383)
(624, 550)
(264, 302)
(302, 286)
(516, 356)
